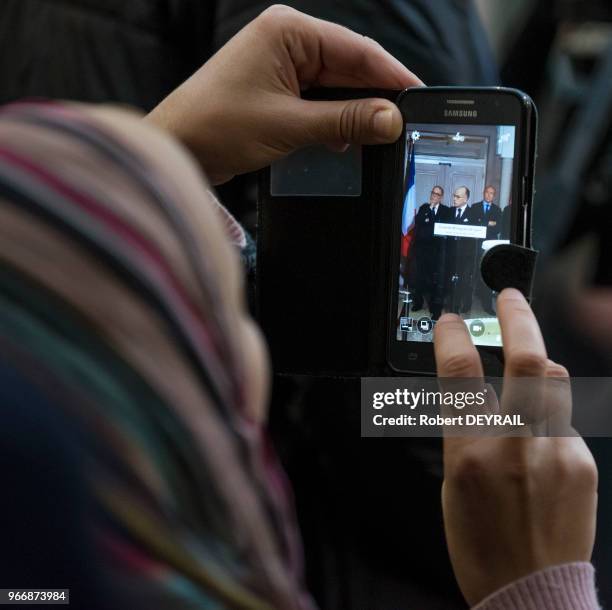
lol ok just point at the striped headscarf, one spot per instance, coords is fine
(113, 300)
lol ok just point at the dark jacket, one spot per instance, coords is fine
(492, 220)
(461, 251)
(132, 52)
(444, 42)
(136, 52)
(425, 221)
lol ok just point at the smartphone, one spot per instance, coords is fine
(464, 184)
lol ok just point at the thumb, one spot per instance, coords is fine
(366, 121)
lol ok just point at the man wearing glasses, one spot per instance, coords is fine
(429, 254)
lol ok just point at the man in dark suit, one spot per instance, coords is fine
(429, 254)
(460, 255)
(487, 214)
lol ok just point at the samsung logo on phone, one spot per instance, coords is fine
(461, 113)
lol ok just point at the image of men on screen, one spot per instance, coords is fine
(456, 204)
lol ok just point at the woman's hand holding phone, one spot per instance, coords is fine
(242, 109)
(512, 506)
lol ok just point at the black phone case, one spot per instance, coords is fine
(324, 267)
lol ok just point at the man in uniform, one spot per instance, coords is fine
(429, 254)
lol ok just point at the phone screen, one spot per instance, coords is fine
(457, 200)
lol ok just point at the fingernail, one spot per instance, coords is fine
(513, 293)
(383, 124)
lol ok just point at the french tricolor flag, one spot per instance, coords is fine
(409, 211)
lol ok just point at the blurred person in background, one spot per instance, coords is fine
(561, 54)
